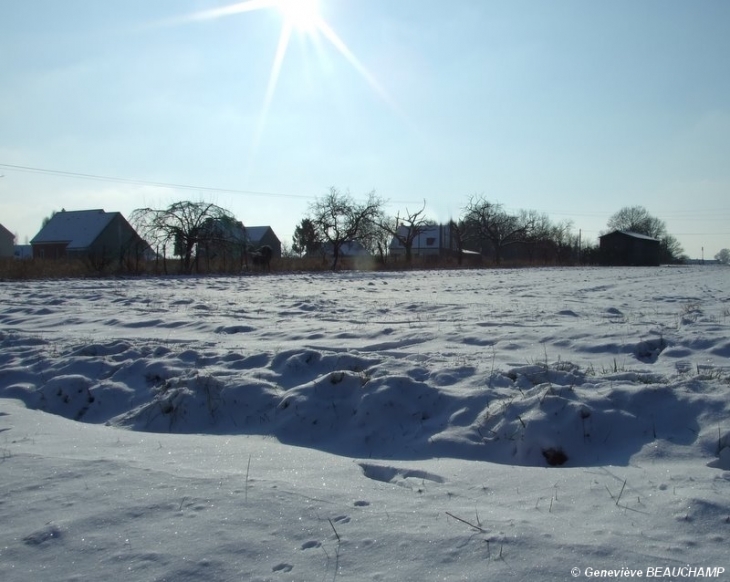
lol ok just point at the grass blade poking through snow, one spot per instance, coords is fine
(476, 527)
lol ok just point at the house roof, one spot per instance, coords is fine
(631, 234)
(78, 228)
(256, 233)
(233, 231)
(4, 232)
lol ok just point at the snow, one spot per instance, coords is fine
(445, 425)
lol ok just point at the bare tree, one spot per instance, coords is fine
(338, 219)
(567, 243)
(723, 257)
(672, 250)
(183, 225)
(459, 233)
(546, 241)
(489, 222)
(408, 228)
(375, 238)
(637, 219)
(539, 239)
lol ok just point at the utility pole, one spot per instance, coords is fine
(580, 236)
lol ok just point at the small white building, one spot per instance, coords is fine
(435, 240)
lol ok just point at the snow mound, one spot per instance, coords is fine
(408, 368)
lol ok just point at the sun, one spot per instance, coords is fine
(305, 18)
(302, 15)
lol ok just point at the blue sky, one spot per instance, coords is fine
(567, 107)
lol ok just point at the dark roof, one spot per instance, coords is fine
(78, 228)
(256, 233)
(631, 234)
(6, 233)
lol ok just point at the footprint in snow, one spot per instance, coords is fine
(341, 519)
(50, 532)
(283, 567)
(388, 474)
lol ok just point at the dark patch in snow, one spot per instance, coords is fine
(283, 567)
(232, 329)
(389, 474)
(648, 351)
(477, 341)
(47, 533)
(555, 457)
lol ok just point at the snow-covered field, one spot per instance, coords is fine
(367, 426)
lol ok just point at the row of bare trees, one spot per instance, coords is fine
(195, 230)
(485, 228)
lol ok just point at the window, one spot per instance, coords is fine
(430, 241)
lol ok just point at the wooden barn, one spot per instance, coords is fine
(625, 248)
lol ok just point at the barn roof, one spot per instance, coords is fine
(631, 234)
(78, 228)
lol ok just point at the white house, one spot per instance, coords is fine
(435, 240)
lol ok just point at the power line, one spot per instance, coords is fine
(703, 215)
(86, 176)
(102, 178)
(701, 233)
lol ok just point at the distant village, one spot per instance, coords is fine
(196, 237)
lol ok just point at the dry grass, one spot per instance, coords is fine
(42, 269)
(13, 269)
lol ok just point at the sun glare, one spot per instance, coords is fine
(298, 16)
(301, 15)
